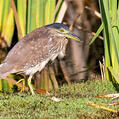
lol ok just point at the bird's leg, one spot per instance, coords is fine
(23, 84)
(29, 84)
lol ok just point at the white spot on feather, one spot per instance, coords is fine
(36, 68)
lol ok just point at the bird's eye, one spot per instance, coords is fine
(61, 30)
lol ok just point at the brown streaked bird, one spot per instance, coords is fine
(36, 49)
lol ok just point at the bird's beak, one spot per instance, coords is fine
(72, 36)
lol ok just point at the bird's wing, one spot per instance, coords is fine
(29, 51)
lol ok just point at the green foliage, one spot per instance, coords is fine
(73, 103)
(110, 27)
(110, 22)
(39, 13)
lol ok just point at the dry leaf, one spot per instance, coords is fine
(38, 91)
(109, 95)
(101, 107)
(55, 99)
(115, 103)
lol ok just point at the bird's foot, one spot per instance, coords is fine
(23, 84)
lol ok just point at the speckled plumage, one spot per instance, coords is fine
(34, 51)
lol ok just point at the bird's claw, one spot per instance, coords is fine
(23, 84)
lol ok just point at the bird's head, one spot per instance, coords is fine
(63, 30)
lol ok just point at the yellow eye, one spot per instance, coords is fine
(62, 30)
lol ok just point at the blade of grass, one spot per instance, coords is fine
(8, 30)
(16, 19)
(0, 85)
(40, 13)
(33, 15)
(114, 74)
(96, 34)
(62, 12)
(21, 8)
(113, 9)
(5, 86)
(6, 6)
(28, 17)
(1, 13)
(112, 40)
(49, 11)
(57, 10)
(111, 54)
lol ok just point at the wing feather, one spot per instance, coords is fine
(36, 47)
(28, 51)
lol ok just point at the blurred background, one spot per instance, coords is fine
(81, 63)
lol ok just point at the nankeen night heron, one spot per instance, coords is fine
(36, 49)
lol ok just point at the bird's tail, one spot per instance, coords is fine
(4, 70)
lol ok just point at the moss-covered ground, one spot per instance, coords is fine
(73, 104)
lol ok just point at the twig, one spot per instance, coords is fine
(46, 78)
(100, 37)
(73, 22)
(102, 69)
(96, 13)
(109, 96)
(115, 103)
(101, 107)
(56, 67)
(38, 81)
(53, 77)
(65, 72)
(92, 33)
